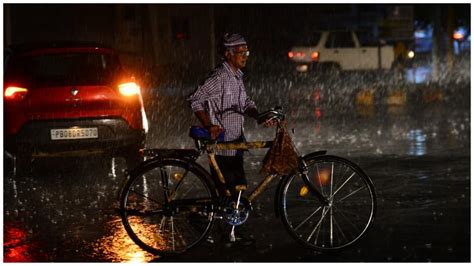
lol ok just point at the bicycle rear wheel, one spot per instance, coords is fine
(166, 206)
(341, 221)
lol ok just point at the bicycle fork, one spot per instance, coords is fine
(312, 190)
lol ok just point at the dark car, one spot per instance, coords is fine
(70, 99)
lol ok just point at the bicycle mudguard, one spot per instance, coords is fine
(316, 153)
(163, 153)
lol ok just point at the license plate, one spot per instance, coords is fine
(302, 68)
(74, 133)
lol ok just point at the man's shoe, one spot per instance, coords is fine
(244, 241)
(240, 240)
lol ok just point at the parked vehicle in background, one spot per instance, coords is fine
(70, 99)
(339, 51)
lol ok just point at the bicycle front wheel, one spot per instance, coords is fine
(166, 206)
(337, 223)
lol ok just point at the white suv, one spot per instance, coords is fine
(340, 50)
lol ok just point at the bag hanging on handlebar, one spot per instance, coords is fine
(281, 158)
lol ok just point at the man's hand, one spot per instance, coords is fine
(214, 131)
(269, 123)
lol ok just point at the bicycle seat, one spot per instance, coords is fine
(201, 133)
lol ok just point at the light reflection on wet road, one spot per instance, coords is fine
(417, 156)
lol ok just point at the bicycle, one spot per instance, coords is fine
(170, 202)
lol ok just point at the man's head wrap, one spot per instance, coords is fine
(230, 40)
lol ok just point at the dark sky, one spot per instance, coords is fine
(462, 13)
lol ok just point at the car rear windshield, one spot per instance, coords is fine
(311, 39)
(63, 69)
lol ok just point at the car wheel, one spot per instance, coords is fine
(22, 166)
(132, 159)
(106, 165)
(335, 70)
(8, 164)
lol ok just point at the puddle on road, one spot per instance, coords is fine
(117, 246)
(18, 246)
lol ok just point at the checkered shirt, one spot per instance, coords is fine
(223, 97)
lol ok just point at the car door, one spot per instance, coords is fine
(340, 49)
(367, 51)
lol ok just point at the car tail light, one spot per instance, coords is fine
(15, 93)
(129, 88)
(290, 54)
(458, 36)
(314, 56)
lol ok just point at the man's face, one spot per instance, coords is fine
(237, 56)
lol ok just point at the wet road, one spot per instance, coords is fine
(418, 156)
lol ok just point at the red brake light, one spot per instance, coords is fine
(290, 54)
(314, 56)
(129, 88)
(15, 93)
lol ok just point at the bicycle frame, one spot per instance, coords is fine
(211, 149)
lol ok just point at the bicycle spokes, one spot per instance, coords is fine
(339, 221)
(167, 208)
(324, 181)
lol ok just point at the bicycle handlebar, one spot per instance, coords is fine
(274, 113)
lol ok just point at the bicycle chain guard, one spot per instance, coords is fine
(236, 216)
